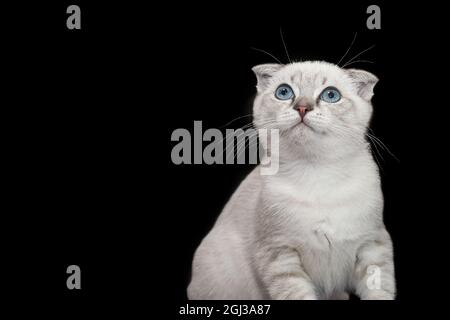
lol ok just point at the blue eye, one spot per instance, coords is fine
(330, 95)
(284, 92)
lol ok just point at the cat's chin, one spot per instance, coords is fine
(299, 134)
(301, 129)
(305, 126)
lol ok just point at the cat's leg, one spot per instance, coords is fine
(374, 277)
(283, 275)
(221, 270)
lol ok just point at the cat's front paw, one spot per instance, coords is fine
(378, 295)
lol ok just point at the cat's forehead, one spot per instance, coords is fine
(313, 72)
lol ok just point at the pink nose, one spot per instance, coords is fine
(302, 109)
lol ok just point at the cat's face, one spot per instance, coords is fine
(315, 105)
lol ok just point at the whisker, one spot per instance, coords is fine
(231, 143)
(284, 45)
(374, 143)
(235, 119)
(243, 143)
(382, 145)
(242, 148)
(346, 52)
(356, 61)
(375, 157)
(247, 126)
(371, 47)
(263, 51)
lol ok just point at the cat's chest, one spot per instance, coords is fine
(321, 218)
(328, 247)
(325, 232)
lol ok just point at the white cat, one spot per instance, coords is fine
(315, 229)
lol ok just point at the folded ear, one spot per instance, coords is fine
(263, 74)
(364, 81)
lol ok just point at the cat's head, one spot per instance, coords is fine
(317, 106)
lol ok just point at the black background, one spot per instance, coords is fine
(88, 136)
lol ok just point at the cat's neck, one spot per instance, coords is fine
(289, 157)
(315, 169)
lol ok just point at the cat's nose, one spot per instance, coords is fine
(302, 109)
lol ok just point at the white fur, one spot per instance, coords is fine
(312, 230)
